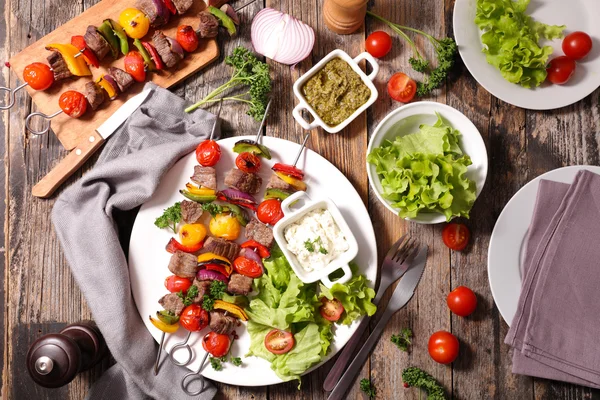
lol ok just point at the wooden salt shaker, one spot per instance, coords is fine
(344, 16)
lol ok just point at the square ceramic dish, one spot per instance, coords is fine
(340, 262)
(353, 62)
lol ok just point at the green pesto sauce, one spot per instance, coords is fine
(335, 92)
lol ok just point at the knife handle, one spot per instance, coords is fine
(65, 168)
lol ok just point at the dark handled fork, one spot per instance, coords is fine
(395, 264)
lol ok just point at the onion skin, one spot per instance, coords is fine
(176, 47)
(163, 12)
(235, 194)
(208, 275)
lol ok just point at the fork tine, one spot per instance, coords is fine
(412, 254)
(404, 250)
(394, 249)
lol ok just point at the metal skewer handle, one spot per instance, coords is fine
(47, 123)
(200, 378)
(301, 149)
(214, 128)
(182, 345)
(11, 95)
(262, 123)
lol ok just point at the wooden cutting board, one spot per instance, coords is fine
(70, 131)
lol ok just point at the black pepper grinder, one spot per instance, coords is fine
(55, 359)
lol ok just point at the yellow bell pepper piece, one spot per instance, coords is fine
(108, 88)
(76, 65)
(296, 183)
(164, 327)
(231, 308)
(212, 256)
(200, 190)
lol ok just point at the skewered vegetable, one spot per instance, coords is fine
(187, 38)
(106, 30)
(88, 55)
(192, 234)
(174, 245)
(231, 308)
(225, 226)
(72, 103)
(38, 75)
(76, 65)
(135, 66)
(224, 19)
(135, 23)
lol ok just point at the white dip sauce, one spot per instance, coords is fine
(315, 239)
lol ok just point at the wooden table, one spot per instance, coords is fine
(39, 294)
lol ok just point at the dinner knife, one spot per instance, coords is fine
(402, 294)
(86, 147)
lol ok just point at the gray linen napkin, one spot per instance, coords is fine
(126, 175)
(556, 324)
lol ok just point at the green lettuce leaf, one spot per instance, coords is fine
(511, 40)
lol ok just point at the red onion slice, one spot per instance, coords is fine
(208, 275)
(238, 195)
(163, 11)
(252, 255)
(175, 47)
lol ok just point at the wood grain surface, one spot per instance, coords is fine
(39, 294)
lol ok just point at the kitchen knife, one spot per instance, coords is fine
(88, 146)
(402, 294)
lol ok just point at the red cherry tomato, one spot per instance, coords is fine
(462, 301)
(577, 45)
(331, 310)
(247, 162)
(456, 236)
(135, 66)
(289, 170)
(38, 75)
(443, 347)
(194, 318)
(279, 342)
(560, 70)
(269, 211)
(401, 88)
(208, 153)
(72, 103)
(216, 344)
(176, 284)
(378, 44)
(88, 55)
(247, 267)
(187, 38)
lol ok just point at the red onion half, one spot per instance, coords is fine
(281, 37)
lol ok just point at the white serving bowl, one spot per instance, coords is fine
(353, 62)
(340, 262)
(406, 120)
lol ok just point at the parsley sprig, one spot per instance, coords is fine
(403, 339)
(170, 217)
(368, 388)
(310, 245)
(189, 296)
(418, 378)
(215, 292)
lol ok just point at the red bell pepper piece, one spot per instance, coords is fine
(174, 245)
(225, 270)
(288, 170)
(154, 54)
(88, 55)
(262, 251)
(170, 6)
(250, 206)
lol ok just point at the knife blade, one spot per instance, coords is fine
(86, 147)
(402, 294)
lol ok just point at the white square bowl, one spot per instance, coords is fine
(353, 62)
(340, 262)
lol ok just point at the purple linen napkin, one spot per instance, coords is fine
(555, 328)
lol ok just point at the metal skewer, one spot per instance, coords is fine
(46, 117)
(214, 128)
(182, 345)
(262, 123)
(301, 149)
(11, 95)
(184, 387)
(160, 347)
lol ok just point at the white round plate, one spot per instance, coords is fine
(148, 259)
(505, 252)
(406, 120)
(577, 15)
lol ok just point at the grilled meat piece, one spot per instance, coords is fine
(256, 230)
(123, 79)
(94, 95)
(243, 181)
(276, 182)
(163, 48)
(209, 25)
(221, 323)
(96, 42)
(59, 66)
(205, 176)
(203, 288)
(222, 247)
(183, 264)
(239, 284)
(182, 5)
(149, 8)
(191, 212)
(173, 303)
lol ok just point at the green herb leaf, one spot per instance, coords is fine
(170, 217)
(368, 388)
(402, 340)
(418, 378)
(237, 361)
(190, 295)
(208, 303)
(309, 246)
(216, 363)
(217, 289)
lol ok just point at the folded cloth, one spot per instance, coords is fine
(126, 175)
(554, 330)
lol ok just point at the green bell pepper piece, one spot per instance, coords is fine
(225, 20)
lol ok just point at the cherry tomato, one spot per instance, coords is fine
(187, 38)
(378, 44)
(247, 162)
(216, 344)
(247, 267)
(331, 310)
(134, 23)
(225, 226)
(401, 88)
(194, 318)
(72, 103)
(577, 45)
(269, 211)
(38, 75)
(192, 234)
(279, 342)
(462, 301)
(135, 66)
(175, 284)
(456, 236)
(289, 170)
(443, 347)
(560, 69)
(208, 153)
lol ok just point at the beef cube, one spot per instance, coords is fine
(256, 230)
(276, 182)
(203, 288)
(205, 176)
(96, 42)
(163, 48)
(94, 95)
(59, 66)
(149, 8)
(172, 302)
(124, 80)
(243, 181)
(182, 5)
(221, 323)
(208, 26)
(222, 247)
(239, 284)
(183, 264)
(191, 212)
